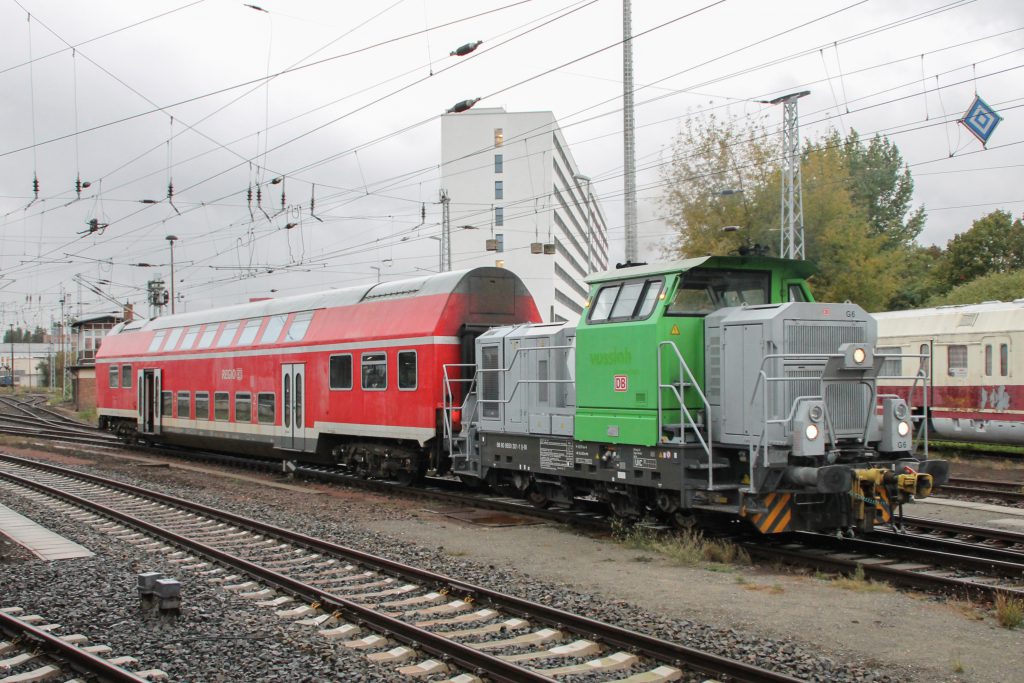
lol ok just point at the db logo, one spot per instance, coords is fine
(621, 383)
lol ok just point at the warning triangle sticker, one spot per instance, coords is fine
(675, 330)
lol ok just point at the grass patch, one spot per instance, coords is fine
(774, 589)
(967, 608)
(88, 415)
(689, 548)
(1009, 611)
(858, 583)
(958, 666)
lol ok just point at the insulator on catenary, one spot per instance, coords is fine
(464, 50)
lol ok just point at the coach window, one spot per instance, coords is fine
(266, 411)
(202, 405)
(243, 407)
(1004, 360)
(407, 370)
(190, 338)
(167, 403)
(891, 367)
(206, 341)
(158, 340)
(172, 338)
(274, 326)
(988, 360)
(956, 357)
(341, 371)
(228, 335)
(221, 405)
(375, 371)
(126, 377)
(248, 335)
(184, 404)
(114, 370)
(297, 330)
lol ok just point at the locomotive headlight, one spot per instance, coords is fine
(811, 432)
(815, 413)
(903, 428)
(900, 411)
(859, 355)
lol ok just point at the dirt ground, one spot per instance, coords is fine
(935, 639)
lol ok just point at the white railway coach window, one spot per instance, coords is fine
(172, 338)
(407, 379)
(891, 367)
(184, 404)
(167, 403)
(248, 335)
(273, 331)
(221, 405)
(266, 411)
(190, 338)
(243, 407)
(988, 360)
(375, 371)
(1004, 360)
(956, 356)
(228, 335)
(297, 330)
(158, 339)
(202, 405)
(341, 371)
(114, 372)
(208, 334)
(126, 377)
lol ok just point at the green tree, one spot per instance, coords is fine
(881, 183)
(992, 287)
(994, 244)
(857, 244)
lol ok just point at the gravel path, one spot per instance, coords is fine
(796, 623)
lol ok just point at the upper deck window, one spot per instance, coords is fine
(158, 340)
(626, 301)
(172, 338)
(300, 324)
(273, 330)
(208, 334)
(248, 335)
(190, 338)
(703, 291)
(228, 335)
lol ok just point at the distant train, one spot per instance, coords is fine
(976, 358)
(711, 384)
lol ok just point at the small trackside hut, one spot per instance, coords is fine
(349, 376)
(711, 384)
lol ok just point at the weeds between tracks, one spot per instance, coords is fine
(686, 547)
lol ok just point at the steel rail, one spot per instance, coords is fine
(660, 650)
(77, 658)
(943, 526)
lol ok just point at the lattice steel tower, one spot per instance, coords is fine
(629, 143)
(791, 238)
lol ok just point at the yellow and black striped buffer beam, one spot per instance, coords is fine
(779, 517)
(883, 508)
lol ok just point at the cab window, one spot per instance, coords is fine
(703, 291)
(626, 301)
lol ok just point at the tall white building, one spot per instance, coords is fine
(511, 178)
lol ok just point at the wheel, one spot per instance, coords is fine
(537, 498)
(683, 519)
(623, 507)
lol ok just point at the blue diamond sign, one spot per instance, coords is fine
(981, 119)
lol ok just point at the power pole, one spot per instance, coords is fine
(628, 138)
(445, 260)
(791, 238)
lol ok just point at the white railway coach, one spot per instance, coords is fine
(977, 364)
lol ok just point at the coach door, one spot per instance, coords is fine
(293, 406)
(149, 401)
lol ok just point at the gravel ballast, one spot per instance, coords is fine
(549, 565)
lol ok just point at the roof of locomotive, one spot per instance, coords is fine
(790, 267)
(991, 316)
(443, 283)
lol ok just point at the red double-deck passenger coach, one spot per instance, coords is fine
(351, 376)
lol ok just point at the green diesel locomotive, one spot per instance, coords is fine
(713, 384)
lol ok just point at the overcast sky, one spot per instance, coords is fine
(357, 115)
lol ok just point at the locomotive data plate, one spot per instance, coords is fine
(556, 455)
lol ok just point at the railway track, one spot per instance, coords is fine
(32, 652)
(412, 619)
(915, 557)
(1006, 491)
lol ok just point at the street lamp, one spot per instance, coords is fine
(172, 239)
(377, 268)
(590, 230)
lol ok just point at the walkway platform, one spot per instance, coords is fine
(44, 543)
